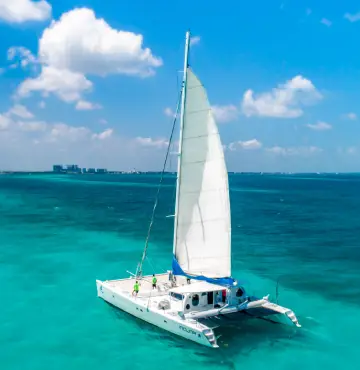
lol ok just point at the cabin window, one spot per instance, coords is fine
(177, 296)
(195, 300)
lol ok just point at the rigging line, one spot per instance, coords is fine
(139, 270)
(152, 265)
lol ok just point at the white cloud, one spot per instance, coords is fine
(82, 43)
(225, 113)
(351, 116)
(352, 150)
(352, 17)
(86, 105)
(63, 131)
(231, 146)
(32, 126)
(320, 126)
(326, 22)
(4, 122)
(169, 112)
(250, 144)
(37, 145)
(24, 55)
(65, 84)
(285, 101)
(246, 145)
(52, 131)
(308, 11)
(20, 111)
(79, 44)
(11, 123)
(42, 104)
(19, 119)
(103, 135)
(103, 121)
(148, 141)
(18, 11)
(293, 151)
(194, 40)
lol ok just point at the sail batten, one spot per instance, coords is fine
(203, 232)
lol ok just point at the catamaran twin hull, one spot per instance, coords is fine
(192, 311)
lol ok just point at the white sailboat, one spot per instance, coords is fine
(199, 295)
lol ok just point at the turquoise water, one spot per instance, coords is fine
(59, 234)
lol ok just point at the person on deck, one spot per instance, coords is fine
(136, 289)
(218, 297)
(224, 295)
(172, 279)
(154, 281)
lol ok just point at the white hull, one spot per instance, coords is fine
(167, 320)
(196, 326)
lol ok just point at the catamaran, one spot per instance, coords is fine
(198, 295)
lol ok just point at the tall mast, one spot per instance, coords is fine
(183, 101)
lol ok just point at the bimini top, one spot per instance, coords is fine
(198, 287)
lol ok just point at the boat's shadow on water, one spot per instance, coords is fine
(240, 339)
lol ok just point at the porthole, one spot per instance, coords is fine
(239, 292)
(195, 300)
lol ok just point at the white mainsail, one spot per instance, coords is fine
(202, 240)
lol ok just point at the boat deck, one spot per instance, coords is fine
(146, 290)
(150, 297)
(159, 300)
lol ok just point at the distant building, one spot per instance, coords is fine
(58, 168)
(75, 169)
(101, 170)
(72, 168)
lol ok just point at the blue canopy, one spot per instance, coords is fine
(177, 270)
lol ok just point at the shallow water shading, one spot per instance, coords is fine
(56, 239)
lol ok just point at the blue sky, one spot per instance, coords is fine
(95, 82)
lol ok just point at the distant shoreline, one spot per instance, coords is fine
(79, 173)
(159, 173)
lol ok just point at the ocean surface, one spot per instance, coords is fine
(60, 233)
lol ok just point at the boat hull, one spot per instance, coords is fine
(137, 307)
(157, 307)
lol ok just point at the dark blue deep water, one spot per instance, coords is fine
(60, 233)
